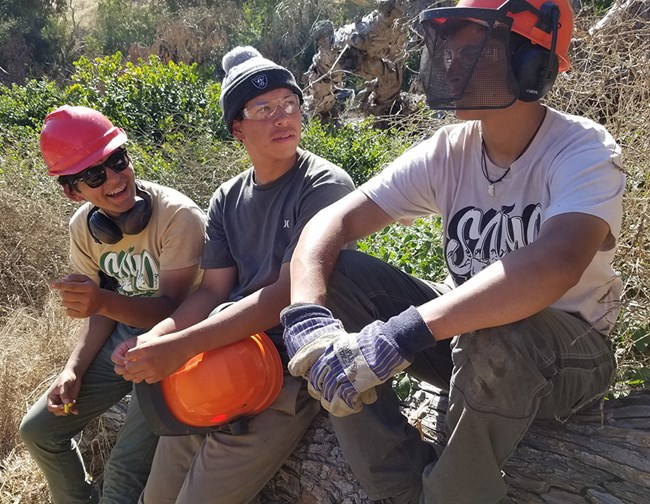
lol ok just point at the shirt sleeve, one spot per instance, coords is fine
(183, 239)
(80, 259)
(589, 179)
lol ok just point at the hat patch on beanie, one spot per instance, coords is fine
(260, 81)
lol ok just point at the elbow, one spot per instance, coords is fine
(567, 271)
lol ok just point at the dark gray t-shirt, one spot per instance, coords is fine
(256, 227)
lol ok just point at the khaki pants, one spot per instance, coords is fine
(220, 468)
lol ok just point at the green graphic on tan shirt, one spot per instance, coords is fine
(136, 274)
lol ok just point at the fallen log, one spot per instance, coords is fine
(601, 456)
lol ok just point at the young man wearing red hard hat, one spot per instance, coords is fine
(134, 248)
(531, 205)
(254, 222)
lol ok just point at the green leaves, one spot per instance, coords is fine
(416, 249)
(359, 148)
(152, 100)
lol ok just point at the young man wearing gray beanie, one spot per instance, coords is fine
(254, 223)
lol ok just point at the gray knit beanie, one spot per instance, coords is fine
(249, 74)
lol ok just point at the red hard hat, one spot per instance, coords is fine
(525, 21)
(215, 388)
(74, 138)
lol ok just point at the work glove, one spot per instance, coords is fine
(309, 329)
(306, 323)
(344, 377)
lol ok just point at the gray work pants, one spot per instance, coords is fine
(50, 439)
(499, 380)
(220, 468)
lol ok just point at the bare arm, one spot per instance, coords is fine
(520, 285)
(524, 282)
(351, 218)
(82, 298)
(65, 388)
(189, 331)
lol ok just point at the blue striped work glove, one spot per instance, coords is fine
(309, 329)
(306, 323)
(344, 376)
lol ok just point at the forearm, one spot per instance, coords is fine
(255, 313)
(314, 259)
(512, 289)
(142, 312)
(92, 337)
(353, 217)
(196, 308)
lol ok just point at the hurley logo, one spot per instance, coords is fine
(260, 81)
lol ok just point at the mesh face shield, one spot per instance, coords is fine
(466, 63)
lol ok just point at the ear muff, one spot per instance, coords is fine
(105, 229)
(535, 68)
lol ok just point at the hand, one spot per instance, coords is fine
(79, 295)
(149, 357)
(62, 394)
(345, 375)
(308, 325)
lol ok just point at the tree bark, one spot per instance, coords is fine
(601, 456)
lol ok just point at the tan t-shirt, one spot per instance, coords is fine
(173, 239)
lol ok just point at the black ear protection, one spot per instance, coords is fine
(105, 229)
(535, 67)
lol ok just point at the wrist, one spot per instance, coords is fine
(410, 332)
(299, 312)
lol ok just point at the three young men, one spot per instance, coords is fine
(254, 222)
(135, 248)
(531, 203)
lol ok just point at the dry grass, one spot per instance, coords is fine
(610, 82)
(35, 344)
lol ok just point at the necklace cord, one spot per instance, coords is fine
(484, 167)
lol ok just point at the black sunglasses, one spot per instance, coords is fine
(96, 175)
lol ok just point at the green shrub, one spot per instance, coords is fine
(358, 148)
(416, 249)
(155, 101)
(27, 106)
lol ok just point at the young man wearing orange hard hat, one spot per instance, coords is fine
(531, 205)
(135, 248)
(254, 222)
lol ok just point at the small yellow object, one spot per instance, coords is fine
(67, 407)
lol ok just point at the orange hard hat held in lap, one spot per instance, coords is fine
(215, 390)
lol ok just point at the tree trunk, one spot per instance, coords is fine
(598, 457)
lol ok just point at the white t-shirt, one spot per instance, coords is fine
(572, 165)
(173, 239)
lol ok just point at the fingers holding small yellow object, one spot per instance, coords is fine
(68, 407)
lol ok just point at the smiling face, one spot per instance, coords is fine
(115, 196)
(273, 140)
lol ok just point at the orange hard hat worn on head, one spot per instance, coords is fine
(74, 138)
(526, 22)
(215, 390)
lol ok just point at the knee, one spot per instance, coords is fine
(352, 263)
(30, 431)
